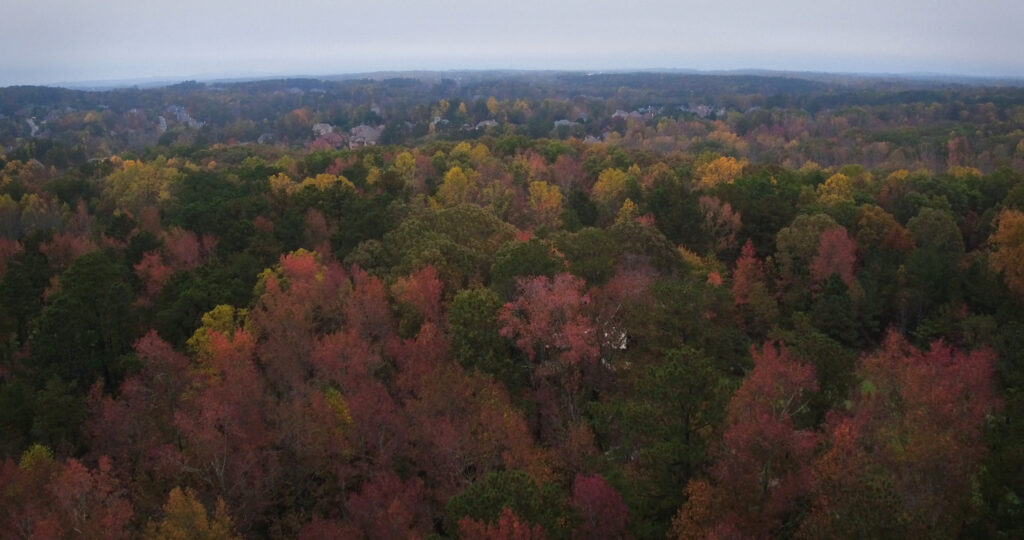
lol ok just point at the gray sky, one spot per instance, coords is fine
(48, 41)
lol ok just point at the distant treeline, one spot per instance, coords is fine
(879, 123)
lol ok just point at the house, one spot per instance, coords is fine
(322, 129)
(183, 117)
(364, 135)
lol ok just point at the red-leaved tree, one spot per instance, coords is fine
(902, 461)
(509, 527)
(763, 465)
(837, 254)
(549, 323)
(603, 514)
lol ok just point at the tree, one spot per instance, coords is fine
(404, 166)
(601, 509)
(224, 319)
(378, 432)
(878, 230)
(87, 323)
(10, 218)
(545, 205)
(324, 182)
(665, 424)
(461, 425)
(509, 527)
(675, 210)
(591, 253)
(457, 187)
(762, 467)
(61, 250)
(610, 189)
(7, 250)
(933, 270)
(516, 260)
(39, 214)
(25, 500)
(1008, 255)
(902, 461)
(186, 518)
(837, 189)
(833, 362)
(387, 507)
(225, 430)
(476, 341)
(153, 274)
(301, 297)
(317, 233)
(136, 427)
(137, 185)
(721, 170)
(836, 256)
(46, 499)
(937, 229)
(458, 242)
(422, 291)
(882, 246)
(567, 172)
(185, 250)
(21, 291)
(721, 224)
(548, 322)
(798, 244)
(486, 500)
(643, 245)
(757, 309)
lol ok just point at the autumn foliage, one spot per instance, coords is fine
(904, 457)
(1008, 257)
(837, 254)
(512, 316)
(763, 464)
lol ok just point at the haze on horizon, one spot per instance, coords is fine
(64, 41)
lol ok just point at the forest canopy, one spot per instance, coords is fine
(513, 305)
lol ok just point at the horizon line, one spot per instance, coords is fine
(157, 81)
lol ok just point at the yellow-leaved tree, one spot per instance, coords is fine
(837, 189)
(405, 167)
(137, 185)
(721, 170)
(224, 319)
(610, 188)
(185, 518)
(324, 181)
(458, 187)
(545, 204)
(1008, 256)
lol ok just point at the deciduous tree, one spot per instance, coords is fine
(762, 468)
(184, 516)
(601, 509)
(903, 459)
(1008, 254)
(837, 255)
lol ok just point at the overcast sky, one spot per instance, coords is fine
(50, 41)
